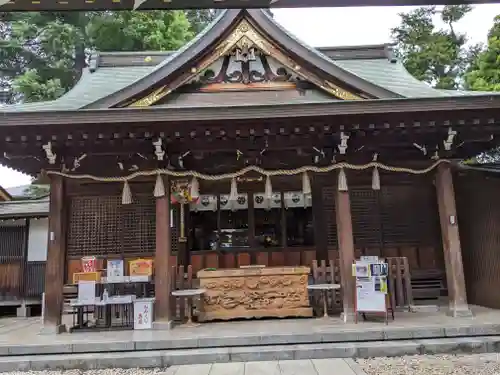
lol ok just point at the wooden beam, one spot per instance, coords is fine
(346, 253)
(162, 261)
(457, 294)
(56, 257)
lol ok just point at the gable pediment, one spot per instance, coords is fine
(247, 60)
(245, 50)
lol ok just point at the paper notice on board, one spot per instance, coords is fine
(361, 269)
(367, 298)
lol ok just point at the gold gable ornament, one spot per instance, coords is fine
(244, 43)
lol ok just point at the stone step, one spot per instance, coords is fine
(174, 357)
(144, 341)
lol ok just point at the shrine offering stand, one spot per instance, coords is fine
(254, 293)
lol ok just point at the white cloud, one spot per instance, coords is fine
(324, 27)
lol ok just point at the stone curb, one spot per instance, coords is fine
(156, 358)
(353, 335)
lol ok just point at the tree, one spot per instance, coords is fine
(484, 73)
(43, 54)
(436, 56)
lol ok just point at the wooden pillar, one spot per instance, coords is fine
(56, 258)
(320, 227)
(346, 252)
(162, 263)
(451, 242)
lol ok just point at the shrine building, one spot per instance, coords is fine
(248, 147)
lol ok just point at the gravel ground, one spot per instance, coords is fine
(474, 364)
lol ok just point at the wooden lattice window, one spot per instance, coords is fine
(102, 225)
(409, 214)
(330, 216)
(13, 242)
(365, 213)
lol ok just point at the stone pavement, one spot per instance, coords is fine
(293, 367)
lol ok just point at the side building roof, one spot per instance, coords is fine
(25, 208)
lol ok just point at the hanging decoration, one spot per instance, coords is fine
(375, 179)
(268, 191)
(186, 193)
(181, 193)
(159, 187)
(233, 195)
(126, 193)
(342, 180)
(195, 189)
(306, 184)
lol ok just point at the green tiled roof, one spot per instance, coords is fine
(111, 72)
(91, 87)
(390, 75)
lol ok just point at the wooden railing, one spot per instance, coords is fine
(400, 287)
(182, 278)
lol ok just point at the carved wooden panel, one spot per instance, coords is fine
(255, 292)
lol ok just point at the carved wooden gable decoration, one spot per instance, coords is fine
(247, 60)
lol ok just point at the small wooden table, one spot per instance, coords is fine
(190, 294)
(324, 288)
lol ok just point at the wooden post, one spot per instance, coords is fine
(451, 242)
(56, 259)
(162, 263)
(346, 253)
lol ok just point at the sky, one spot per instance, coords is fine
(325, 27)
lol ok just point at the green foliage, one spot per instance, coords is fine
(43, 54)
(484, 73)
(436, 56)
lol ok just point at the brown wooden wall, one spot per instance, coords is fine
(479, 223)
(13, 242)
(399, 220)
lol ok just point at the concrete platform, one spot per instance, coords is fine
(179, 357)
(22, 347)
(20, 336)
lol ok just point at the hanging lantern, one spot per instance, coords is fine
(375, 179)
(159, 187)
(126, 193)
(342, 180)
(194, 190)
(306, 184)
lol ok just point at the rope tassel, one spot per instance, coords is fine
(195, 189)
(159, 187)
(126, 194)
(375, 179)
(306, 184)
(342, 180)
(268, 193)
(233, 195)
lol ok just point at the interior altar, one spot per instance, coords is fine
(254, 292)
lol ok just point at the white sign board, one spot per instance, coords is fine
(86, 291)
(143, 313)
(115, 269)
(368, 299)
